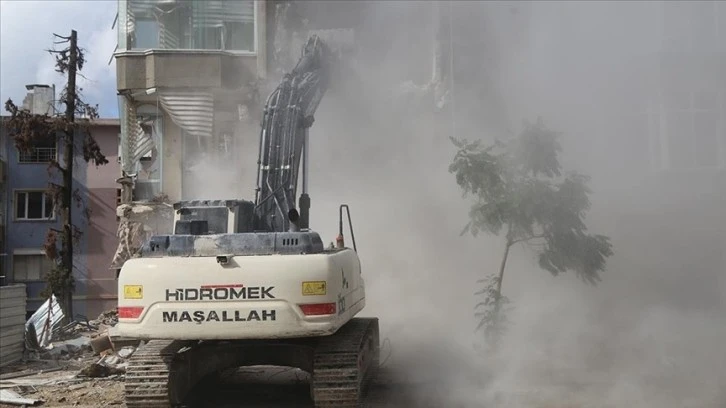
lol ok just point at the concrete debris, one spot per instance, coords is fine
(108, 318)
(74, 341)
(13, 398)
(110, 360)
(67, 349)
(108, 365)
(75, 358)
(98, 370)
(137, 223)
(126, 352)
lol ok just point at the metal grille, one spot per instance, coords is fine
(38, 155)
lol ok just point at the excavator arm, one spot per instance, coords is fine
(288, 115)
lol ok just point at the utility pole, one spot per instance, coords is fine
(67, 195)
(28, 129)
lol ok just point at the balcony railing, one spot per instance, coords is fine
(38, 155)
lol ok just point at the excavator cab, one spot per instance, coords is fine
(209, 217)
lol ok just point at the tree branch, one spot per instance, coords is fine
(531, 237)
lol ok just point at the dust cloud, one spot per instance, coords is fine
(652, 334)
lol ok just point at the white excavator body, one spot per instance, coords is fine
(239, 297)
(242, 283)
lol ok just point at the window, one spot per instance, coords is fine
(146, 34)
(42, 152)
(239, 36)
(197, 24)
(33, 205)
(693, 130)
(694, 26)
(31, 267)
(195, 151)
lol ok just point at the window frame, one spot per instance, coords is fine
(16, 197)
(661, 153)
(186, 34)
(29, 253)
(157, 33)
(689, 38)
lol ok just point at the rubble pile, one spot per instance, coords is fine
(71, 355)
(109, 318)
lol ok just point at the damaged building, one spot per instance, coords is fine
(187, 74)
(192, 77)
(27, 211)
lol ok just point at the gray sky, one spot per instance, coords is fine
(26, 31)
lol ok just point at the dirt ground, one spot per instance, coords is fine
(89, 394)
(252, 387)
(62, 383)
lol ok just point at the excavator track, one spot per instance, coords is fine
(147, 376)
(344, 364)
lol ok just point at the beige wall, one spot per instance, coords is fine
(172, 164)
(101, 289)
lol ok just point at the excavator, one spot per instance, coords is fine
(241, 283)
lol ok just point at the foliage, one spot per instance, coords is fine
(57, 277)
(492, 310)
(520, 191)
(28, 130)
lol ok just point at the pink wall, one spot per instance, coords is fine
(102, 241)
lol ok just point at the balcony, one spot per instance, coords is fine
(38, 155)
(196, 44)
(164, 68)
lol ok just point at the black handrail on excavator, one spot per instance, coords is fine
(341, 242)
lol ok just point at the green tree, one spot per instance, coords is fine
(28, 130)
(521, 194)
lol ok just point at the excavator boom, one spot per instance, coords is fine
(288, 115)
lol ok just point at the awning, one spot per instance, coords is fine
(213, 13)
(135, 143)
(193, 111)
(28, 251)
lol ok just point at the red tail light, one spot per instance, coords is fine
(318, 309)
(130, 312)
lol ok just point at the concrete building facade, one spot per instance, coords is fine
(3, 206)
(640, 91)
(30, 213)
(192, 78)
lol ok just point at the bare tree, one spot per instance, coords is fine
(28, 130)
